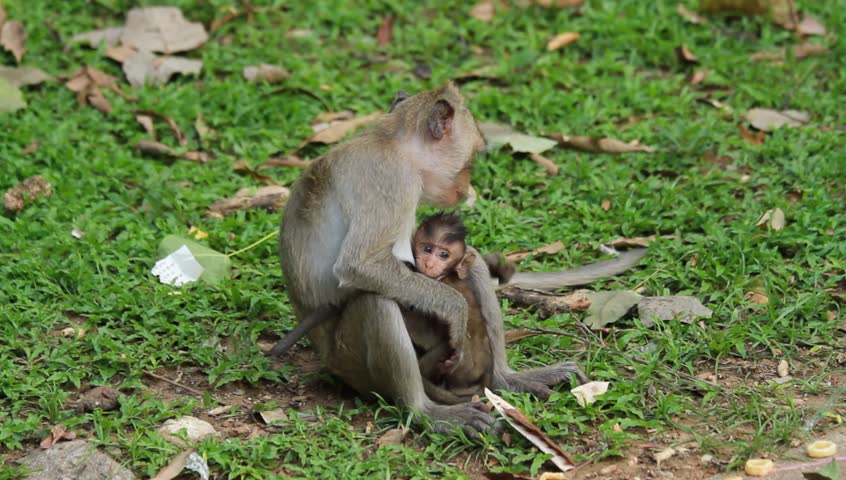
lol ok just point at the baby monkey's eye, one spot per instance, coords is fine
(427, 248)
(444, 255)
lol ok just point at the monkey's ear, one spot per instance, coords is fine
(401, 95)
(440, 119)
(464, 266)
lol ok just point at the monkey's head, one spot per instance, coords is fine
(443, 137)
(439, 247)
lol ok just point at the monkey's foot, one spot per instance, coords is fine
(471, 417)
(538, 381)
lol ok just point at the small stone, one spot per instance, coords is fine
(105, 398)
(194, 428)
(706, 459)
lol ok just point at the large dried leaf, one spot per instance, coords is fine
(337, 130)
(13, 38)
(392, 437)
(21, 76)
(530, 431)
(272, 197)
(810, 26)
(690, 16)
(497, 134)
(768, 120)
(143, 67)
(119, 53)
(11, 98)
(162, 29)
(265, 73)
(16, 198)
(782, 12)
(385, 32)
(683, 308)
(57, 434)
(771, 220)
(110, 37)
(608, 307)
(600, 145)
(156, 149)
(483, 10)
(803, 50)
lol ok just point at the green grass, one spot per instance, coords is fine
(623, 66)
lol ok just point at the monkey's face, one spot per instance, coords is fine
(435, 259)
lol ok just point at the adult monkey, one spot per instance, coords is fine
(348, 224)
(346, 231)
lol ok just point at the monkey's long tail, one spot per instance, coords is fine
(577, 276)
(308, 322)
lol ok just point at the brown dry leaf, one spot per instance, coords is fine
(803, 50)
(13, 38)
(156, 149)
(20, 76)
(336, 131)
(768, 120)
(531, 432)
(323, 119)
(684, 55)
(550, 249)
(690, 16)
(514, 334)
(483, 10)
(756, 298)
(174, 468)
(119, 53)
(243, 166)
(31, 148)
(272, 197)
(562, 40)
(559, 3)
(143, 67)
(810, 26)
(392, 437)
(96, 99)
(551, 168)
(16, 198)
(286, 161)
(605, 205)
(699, 76)
(753, 138)
(600, 145)
(265, 73)
(177, 132)
(162, 29)
(57, 434)
(231, 14)
(782, 12)
(543, 304)
(385, 32)
(771, 220)
(146, 121)
(636, 242)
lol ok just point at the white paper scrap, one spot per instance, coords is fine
(178, 268)
(587, 393)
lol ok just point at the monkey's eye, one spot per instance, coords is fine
(444, 255)
(427, 248)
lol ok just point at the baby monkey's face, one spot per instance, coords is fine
(436, 259)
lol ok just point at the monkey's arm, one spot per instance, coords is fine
(366, 261)
(577, 276)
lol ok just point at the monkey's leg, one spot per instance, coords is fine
(372, 352)
(535, 381)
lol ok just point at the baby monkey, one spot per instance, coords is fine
(440, 253)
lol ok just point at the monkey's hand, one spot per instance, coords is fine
(451, 361)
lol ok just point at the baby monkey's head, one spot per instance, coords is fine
(439, 247)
